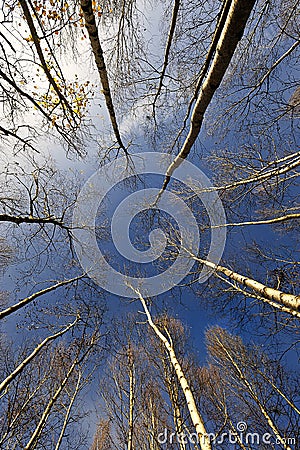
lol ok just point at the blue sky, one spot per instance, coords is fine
(193, 305)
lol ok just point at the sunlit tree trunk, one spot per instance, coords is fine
(32, 355)
(196, 417)
(276, 298)
(231, 34)
(47, 411)
(68, 411)
(131, 399)
(11, 309)
(172, 389)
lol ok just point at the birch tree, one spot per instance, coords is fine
(160, 411)
(232, 31)
(260, 384)
(195, 415)
(214, 82)
(125, 388)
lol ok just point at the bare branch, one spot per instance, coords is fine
(260, 222)
(36, 41)
(35, 352)
(167, 51)
(11, 309)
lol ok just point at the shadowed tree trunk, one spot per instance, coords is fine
(231, 34)
(90, 23)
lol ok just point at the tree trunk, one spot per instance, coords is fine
(27, 300)
(289, 301)
(90, 23)
(191, 404)
(37, 349)
(233, 30)
(131, 399)
(68, 412)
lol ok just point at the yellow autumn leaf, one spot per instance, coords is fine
(29, 38)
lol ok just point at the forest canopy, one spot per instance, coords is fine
(149, 220)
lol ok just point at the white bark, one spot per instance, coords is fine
(39, 428)
(37, 349)
(27, 300)
(260, 222)
(261, 176)
(276, 305)
(289, 301)
(232, 32)
(218, 31)
(68, 412)
(131, 399)
(191, 404)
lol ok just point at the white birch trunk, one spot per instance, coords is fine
(37, 349)
(68, 412)
(191, 404)
(232, 32)
(289, 301)
(90, 23)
